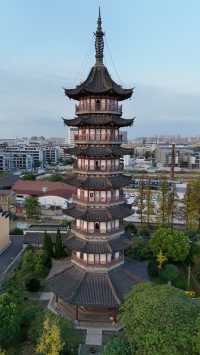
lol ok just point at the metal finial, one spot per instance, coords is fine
(99, 42)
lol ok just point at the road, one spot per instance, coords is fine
(10, 254)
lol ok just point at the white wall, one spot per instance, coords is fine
(48, 201)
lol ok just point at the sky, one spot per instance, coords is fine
(47, 45)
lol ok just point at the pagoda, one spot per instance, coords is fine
(96, 277)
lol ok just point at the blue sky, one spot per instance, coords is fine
(152, 45)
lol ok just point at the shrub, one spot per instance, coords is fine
(152, 268)
(33, 285)
(169, 272)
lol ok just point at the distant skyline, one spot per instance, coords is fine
(151, 45)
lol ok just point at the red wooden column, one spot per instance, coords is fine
(76, 312)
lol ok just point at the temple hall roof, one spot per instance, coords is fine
(99, 214)
(99, 120)
(103, 289)
(99, 151)
(98, 183)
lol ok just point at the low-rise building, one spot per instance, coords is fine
(4, 231)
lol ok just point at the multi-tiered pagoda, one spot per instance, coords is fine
(97, 277)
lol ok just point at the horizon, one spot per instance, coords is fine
(46, 47)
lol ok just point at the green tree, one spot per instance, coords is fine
(141, 200)
(10, 320)
(196, 337)
(29, 176)
(33, 208)
(149, 203)
(48, 245)
(175, 245)
(51, 342)
(59, 251)
(118, 346)
(159, 319)
(163, 205)
(68, 335)
(192, 205)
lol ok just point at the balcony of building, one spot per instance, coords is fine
(88, 201)
(98, 139)
(98, 261)
(98, 107)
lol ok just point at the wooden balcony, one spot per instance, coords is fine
(78, 138)
(100, 202)
(95, 265)
(116, 110)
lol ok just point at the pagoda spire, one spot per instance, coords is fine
(99, 42)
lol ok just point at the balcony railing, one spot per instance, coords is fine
(91, 109)
(98, 138)
(98, 265)
(87, 200)
(98, 169)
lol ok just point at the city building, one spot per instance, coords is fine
(4, 231)
(95, 280)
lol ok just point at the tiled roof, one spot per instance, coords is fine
(99, 120)
(120, 243)
(6, 182)
(111, 151)
(99, 215)
(92, 182)
(99, 82)
(102, 289)
(43, 188)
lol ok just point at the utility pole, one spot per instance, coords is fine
(173, 160)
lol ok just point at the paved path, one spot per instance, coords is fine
(9, 255)
(94, 336)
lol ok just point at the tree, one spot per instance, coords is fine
(159, 319)
(10, 320)
(51, 342)
(29, 176)
(141, 200)
(59, 251)
(48, 245)
(163, 206)
(196, 337)
(118, 346)
(170, 272)
(175, 245)
(68, 335)
(149, 202)
(32, 207)
(192, 205)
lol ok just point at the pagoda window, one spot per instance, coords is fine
(103, 134)
(109, 226)
(113, 225)
(86, 164)
(93, 104)
(97, 164)
(103, 196)
(97, 196)
(108, 164)
(97, 259)
(108, 195)
(91, 258)
(92, 134)
(116, 224)
(117, 255)
(91, 227)
(85, 195)
(87, 133)
(98, 105)
(116, 163)
(117, 194)
(91, 196)
(103, 165)
(102, 227)
(98, 134)
(78, 223)
(97, 226)
(85, 226)
(109, 256)
(102, 258)
(91, 164)
(85, 257)
(78, 254)
(79, 163)
(116, 133)
(78, 193)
